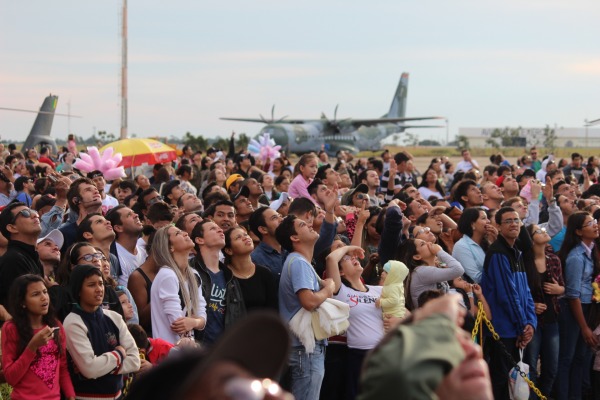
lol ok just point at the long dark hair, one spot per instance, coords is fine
(68, 261)
(405, 253)
(20, 315)
(469, 216)
(572, 240)
(533, 276)
(228, 234)
(438, 187)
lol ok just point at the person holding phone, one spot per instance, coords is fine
(34, 356)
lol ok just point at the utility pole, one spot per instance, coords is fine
(124, 73)
(447, 132)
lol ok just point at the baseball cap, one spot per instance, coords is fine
(231, 179)
(94, 174)
(283, 197)
(499, 181)
(347, 197)
(244, 191)
(54, 235)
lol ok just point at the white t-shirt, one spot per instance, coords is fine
(108, 203)
(366, 320)
(166, 304)
(129, 262)
(426, 193)
(466, 166)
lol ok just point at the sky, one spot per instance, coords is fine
(478, 63)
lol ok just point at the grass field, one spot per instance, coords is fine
(508, 152)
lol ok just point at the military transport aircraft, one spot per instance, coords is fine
(40, 131)
(306, 135)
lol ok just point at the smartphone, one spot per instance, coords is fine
(52, 178)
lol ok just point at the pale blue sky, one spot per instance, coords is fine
(479, 63)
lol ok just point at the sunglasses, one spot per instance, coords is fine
(538, 231)
(27, 213)
(91, 257)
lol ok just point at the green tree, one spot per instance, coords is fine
(549, 138)
(242, 142)
(462, 142)
(222, 144)
(411, 139)
(197, 142)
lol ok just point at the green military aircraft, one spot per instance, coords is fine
(305, 135)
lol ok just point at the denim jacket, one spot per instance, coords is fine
(578, 273)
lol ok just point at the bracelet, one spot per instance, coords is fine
(470, 294)
(330, 212)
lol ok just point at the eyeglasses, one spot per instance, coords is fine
(27, 213)
(538, 231)
(422, 230)
(593, 222)
(515, 221)
(347, 257)
(91, 257)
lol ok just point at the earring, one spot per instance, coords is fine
(23, 306)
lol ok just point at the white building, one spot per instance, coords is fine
(565, 137)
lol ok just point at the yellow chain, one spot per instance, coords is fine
(478, 325)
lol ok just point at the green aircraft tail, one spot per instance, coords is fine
(398, 107)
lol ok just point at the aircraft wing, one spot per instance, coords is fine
(283, 121)
(376, 121)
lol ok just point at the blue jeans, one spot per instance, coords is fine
(574, 357)
(307, 371)
(545, 344)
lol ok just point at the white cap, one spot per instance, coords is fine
(277, 203)
(55, 235)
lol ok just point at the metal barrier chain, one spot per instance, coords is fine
(481, 316)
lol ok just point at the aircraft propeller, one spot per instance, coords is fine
(272, 121)
(334, 124)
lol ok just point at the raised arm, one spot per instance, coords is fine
(333, 260)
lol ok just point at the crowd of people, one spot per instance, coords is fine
(106, 285)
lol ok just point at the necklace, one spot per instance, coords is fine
(240, 275)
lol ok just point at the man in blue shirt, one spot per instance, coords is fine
(299, 288)
(263, 223)
(504, 284)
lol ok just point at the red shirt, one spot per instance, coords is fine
(36, 376)
(159, 349)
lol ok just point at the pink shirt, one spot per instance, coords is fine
(299, 188)
(36, 376)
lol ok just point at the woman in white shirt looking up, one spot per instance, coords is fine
(176, 284)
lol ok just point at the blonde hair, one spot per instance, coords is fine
(187, 280)
(305, 159)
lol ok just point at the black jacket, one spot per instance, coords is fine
(20, 259)
(235, 308)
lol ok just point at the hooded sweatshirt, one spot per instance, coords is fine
(392, 293)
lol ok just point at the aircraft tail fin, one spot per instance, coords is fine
(398, 107)
(40, 131)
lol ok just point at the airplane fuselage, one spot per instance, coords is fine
(304, 138)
